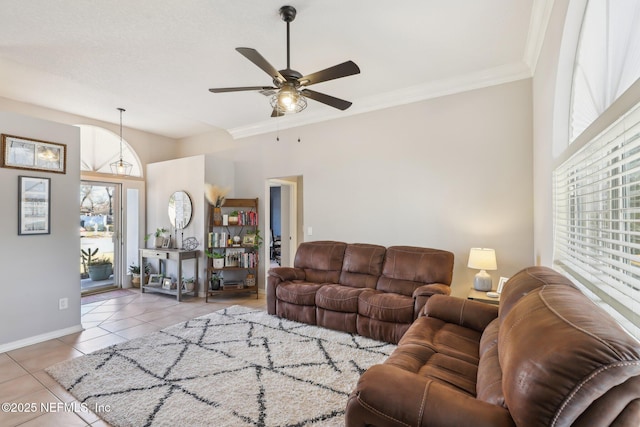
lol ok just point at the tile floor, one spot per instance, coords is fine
(35, 399)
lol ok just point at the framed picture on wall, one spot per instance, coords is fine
(34, 205)
(33, 154)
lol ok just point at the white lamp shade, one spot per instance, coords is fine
(482, 259)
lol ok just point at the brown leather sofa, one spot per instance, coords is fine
(359, 288)
(547, 357)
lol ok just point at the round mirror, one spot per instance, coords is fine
(180, 209)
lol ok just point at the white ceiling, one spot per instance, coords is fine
(157, 58)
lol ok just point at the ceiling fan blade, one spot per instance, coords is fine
(240, 89)
(332, 101)
(345, 69)
(253, 56)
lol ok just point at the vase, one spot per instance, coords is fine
(217, 216)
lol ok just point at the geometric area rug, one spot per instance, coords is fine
(234, 367)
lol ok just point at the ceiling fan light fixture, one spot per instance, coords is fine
(288, 100)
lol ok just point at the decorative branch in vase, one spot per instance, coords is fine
(216, 195)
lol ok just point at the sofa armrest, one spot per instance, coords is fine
(277, 275)
(424, 292)
(390, 396)
(287, 273)
(470, 314)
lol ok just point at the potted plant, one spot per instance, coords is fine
(134, 269)
(188, 284)
(87, 256)
(100, 268)
(215, 282)
(218, 259)
(159, 235)
(233, 218)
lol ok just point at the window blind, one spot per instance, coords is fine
(597, 218)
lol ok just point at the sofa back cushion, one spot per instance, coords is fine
(565, 361)
(525, 281)
(407, 268)
(362, 265)
(320, 260)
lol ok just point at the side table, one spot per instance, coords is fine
(163, 256)
(482, 297)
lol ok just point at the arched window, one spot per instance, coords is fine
(607, 61)
(100, 147)
(596, 191)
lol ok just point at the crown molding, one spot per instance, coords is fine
(485, 78)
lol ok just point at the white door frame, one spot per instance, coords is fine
(289, 218)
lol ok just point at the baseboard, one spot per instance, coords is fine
(40, 338)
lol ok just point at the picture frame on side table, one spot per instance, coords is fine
(166, 242)
(501, 284)
(166, 283)
(34, 205)
(33, 154)
(155, 280)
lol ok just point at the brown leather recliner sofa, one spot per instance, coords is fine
(360, 288)
(547, 357)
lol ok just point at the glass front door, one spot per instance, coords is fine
(99, 235)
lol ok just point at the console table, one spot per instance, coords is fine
(163, 256)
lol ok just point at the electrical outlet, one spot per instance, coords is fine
(63, 303)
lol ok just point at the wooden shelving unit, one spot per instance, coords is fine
(241, 257)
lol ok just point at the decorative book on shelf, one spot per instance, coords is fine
(232, 231)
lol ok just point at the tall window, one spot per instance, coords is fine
(597, 190)
(597, 218)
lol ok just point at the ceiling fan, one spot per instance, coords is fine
(292, 85)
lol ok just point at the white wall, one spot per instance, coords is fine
(547, 81)
(450, 173)
(38, 270)
(149, 147)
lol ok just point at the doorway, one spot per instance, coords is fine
(100, 228)
(284, 218)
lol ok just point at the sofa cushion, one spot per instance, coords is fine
(407, 267)
(321, 260)
(386, 306)
(362, 265)
(562, 357)
(489, 381)
(444, 337)
(299, 293)
(339, 298)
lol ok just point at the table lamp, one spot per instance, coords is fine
(482, 259)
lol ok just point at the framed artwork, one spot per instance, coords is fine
(501, 284)
(166, 242)
(166, 283)
(249, 240)
(155, 279)
(34, 205)
(25, 153)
